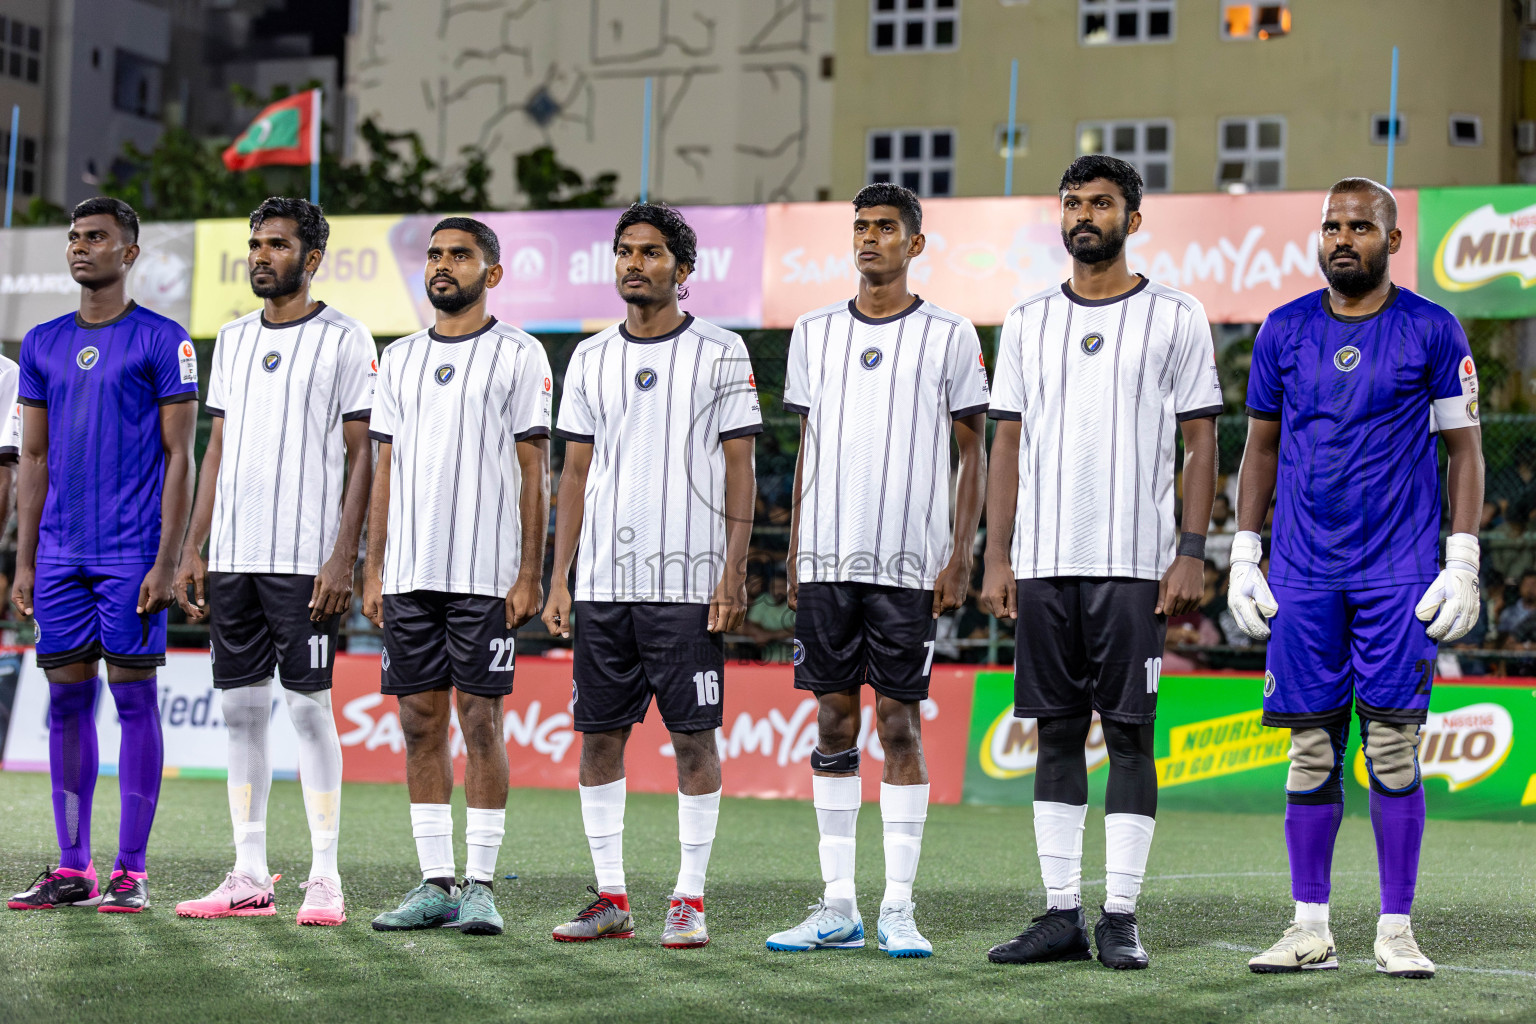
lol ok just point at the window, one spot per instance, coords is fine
(1381, 128)
(1020, 140)
(21, 47)
(136, 84)
(922, 159)
(1146, 144)
(26, 162)
(1125, 21)
(1251, 153)
(1242, 20)
(1466, 130)
(905, 26)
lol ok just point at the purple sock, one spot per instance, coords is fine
(1310, 830)
(72, 768)
(1398, 822)
(139, 763)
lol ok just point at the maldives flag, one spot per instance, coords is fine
(287, 132)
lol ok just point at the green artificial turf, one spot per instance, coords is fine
(1217, 889)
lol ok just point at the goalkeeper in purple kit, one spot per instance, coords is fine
(1348, 388)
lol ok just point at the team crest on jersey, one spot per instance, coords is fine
(1346, 358)
(870, 358)
(1472, 410)
(1093, 343)
(271, 361)
(443, 374)
(87, 357)
(1269, 684)
(799, 655)
(645, 379)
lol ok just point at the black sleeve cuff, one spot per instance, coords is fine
(531, 433)
(731, 435)
(1262, 414)
(382, 438)
(960, 414)
(566, 435)
(1004, 414)
(212, 410)
(36, 403)
(361, 414)
(185, 396)
(1200, 414)
(803, 410)
(9, 456)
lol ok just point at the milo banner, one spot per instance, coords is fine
(1477, 250)
(1477, 752)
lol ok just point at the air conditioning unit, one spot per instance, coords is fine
(1525, 136)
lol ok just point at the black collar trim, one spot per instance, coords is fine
(873, 321)
(1363, 317)
(306, 318)
(454, 339)
(1066, 289)
(673, 333)
(85, 324)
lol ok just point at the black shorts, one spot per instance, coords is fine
(261, 622)
(627, 651)
(434, 640)
(847, 634)
(1088, 643)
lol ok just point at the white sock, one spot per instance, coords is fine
(483, 831)
(696, 820)
(837, 816)
(320, 775)
(1127, 841)
(432, 825)
(247, 710)
(903, 809)
(1059, 842)
(602, 815)
(1389, 923)
(1312, 915)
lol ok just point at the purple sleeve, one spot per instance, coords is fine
(1264, 390)
(31, 389)
(173, 361)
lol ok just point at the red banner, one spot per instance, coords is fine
(765, 744)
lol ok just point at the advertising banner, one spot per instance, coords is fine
(1478, 251)
(558, 270)
(35, 285)
(1477, 752)
(1239, 255)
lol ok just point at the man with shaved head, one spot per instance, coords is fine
(1348, 387)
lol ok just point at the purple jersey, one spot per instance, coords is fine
(1357, 502)
(103, 385)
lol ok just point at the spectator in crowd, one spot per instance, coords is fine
(361, 635)
(1495, 596)
(1476, 638)
(771, 622)
(1513, 486)
(1514, 615)
(1491, 517)
(967, 622)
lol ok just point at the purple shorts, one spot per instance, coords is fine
(86, 612)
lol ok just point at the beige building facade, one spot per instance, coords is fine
(1202, 95)
(742, 93)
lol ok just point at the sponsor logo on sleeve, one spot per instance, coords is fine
(187, 356)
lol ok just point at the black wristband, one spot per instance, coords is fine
(1193, 545)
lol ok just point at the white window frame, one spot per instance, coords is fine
(1254, 32)
(1450, 129)
(1383, 116)
(1250, 154)
(923, 165)
(899, 16)
(1111, 8)
(1138, 155)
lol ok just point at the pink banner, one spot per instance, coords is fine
(559, 270)
(1239, 255)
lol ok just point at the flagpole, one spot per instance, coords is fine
(645, 147)
(1013, 106)
(1392, 122)
(10, 170)
(314, 164)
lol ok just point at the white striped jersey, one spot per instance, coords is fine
(10, 436)
(284, 391)
(656, 411)
(1101, 387)
(453, 410)
(879, 398)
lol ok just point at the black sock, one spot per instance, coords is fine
(445, 884)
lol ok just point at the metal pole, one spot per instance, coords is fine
(314, 164)
(645, 147)
(1013, 106)
(1392, 122)
(10, 170)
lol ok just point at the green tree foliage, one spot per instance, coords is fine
(550, 185)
